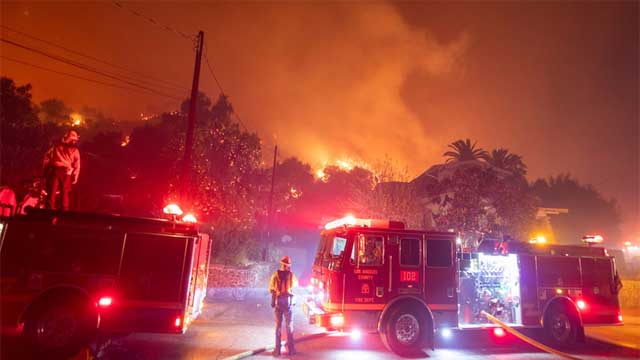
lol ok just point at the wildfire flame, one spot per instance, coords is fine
(76, 119)
(345, 164)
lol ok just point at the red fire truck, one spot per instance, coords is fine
(410, 285)
(66, 277)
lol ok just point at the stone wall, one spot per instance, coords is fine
(630, 294)
(238, 283)
(224, 276)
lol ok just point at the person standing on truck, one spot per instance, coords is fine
(281, 288)
(61, 168)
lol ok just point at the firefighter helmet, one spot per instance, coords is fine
(285, 261)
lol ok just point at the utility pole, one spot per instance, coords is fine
(273, 177)
(185, 179)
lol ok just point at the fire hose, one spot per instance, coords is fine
(527, 339)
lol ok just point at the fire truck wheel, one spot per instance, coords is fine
(60, 326)
(561, 325)
(405, 331)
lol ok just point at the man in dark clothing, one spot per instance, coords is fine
(281, 288)
(61, 169)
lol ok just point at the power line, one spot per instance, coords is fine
(154, 21)
(74, 76)
(185, 36)
(85, 67)
(206, 48)
(92, 57)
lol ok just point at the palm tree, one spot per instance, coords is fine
(503, 159)
(465, 151)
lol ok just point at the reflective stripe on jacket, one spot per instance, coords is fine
(282, 282)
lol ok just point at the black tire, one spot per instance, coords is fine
(407, 331)
(59, 327)
(561, 325)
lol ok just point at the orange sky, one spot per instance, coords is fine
(556, 83)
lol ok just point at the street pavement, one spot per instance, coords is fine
(465, 346)
(627, 335)
(225, 328)
(228, 327)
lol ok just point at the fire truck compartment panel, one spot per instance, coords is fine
(489, 283)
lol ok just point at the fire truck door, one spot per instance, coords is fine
(370, 271)
(408, 263)
(440, 272)
(598, 290)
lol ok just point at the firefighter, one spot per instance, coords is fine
(7, 201)
(281, 288)
(61, 167)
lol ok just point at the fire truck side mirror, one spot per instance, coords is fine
(359, 246)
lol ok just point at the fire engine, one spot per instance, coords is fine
(410, 285)
(67, 277)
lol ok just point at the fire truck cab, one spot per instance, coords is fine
(67, 276)
(410, 285)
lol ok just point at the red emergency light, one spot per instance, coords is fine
(189, 218)
(592, 239)
(178, 321)
(499, 332)
(172, 209)
(350, 220)
(581, 304)
(105, 301)
(337, 321)
(347, 220)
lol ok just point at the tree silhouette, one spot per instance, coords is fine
(503, 159)
(464, 150)
(589, 212)
(24, 140)
(55, 111)
(479, 199)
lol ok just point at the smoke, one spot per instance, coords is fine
(327, 80)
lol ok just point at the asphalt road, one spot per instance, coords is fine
(461, 346)
(229, 327)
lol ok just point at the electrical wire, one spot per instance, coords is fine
(76, 76)
(85, 67)
(168, 83)
(206, 51)
(154, 21)
(185, 36)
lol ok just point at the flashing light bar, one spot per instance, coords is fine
(592, 239)
(350, 220)
(347, 220)
(172, 209)
(189, 218)
(540, 240)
